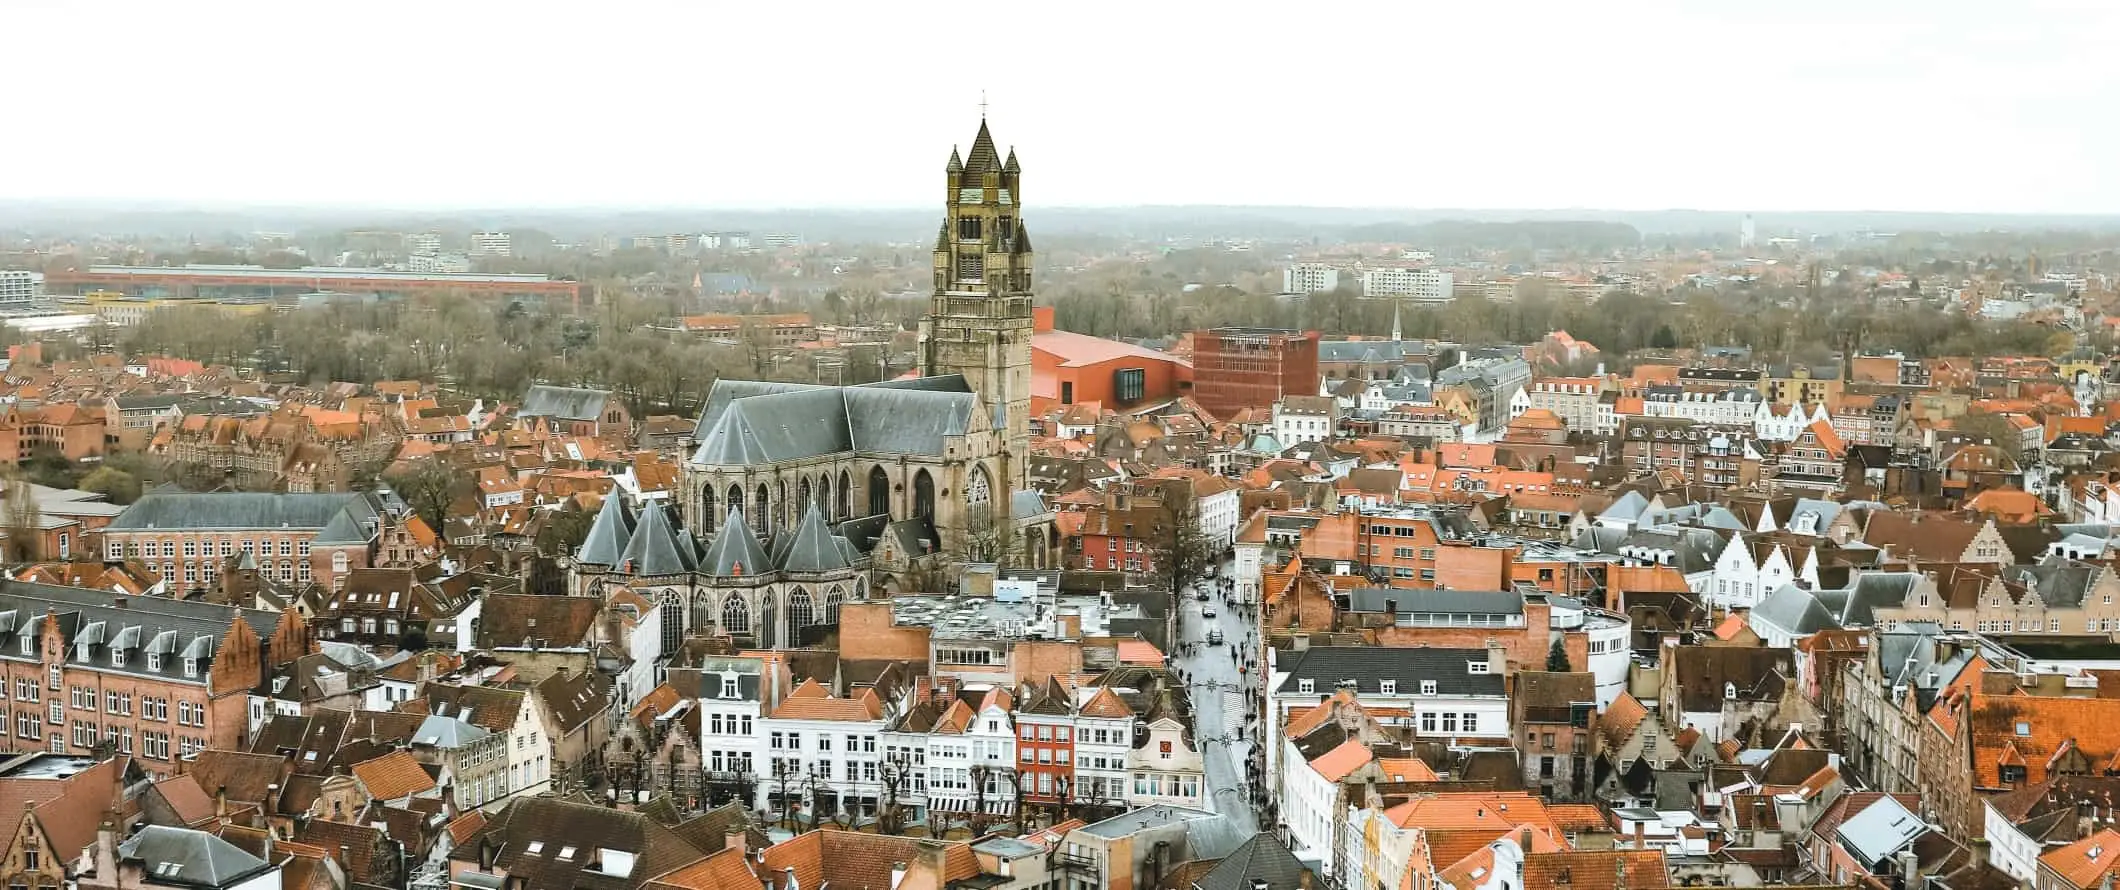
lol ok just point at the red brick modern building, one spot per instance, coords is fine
(1238, 368)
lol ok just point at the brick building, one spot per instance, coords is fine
(293, 537)
(1238, 368)
(154, 678)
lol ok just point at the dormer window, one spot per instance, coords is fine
(1388, 687)
(117, 658)
(191, 668)
(1427, 687)
(1476, 667)
(728, 686)
(1306, 686)
(154, 661)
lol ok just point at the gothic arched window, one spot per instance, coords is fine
(832, 599)
(846, 497)
(802, 611)
(762, 514)
(979, 500)
(736, 500)
(706, 509)
(673, 621)
(924, 496)
(735, 615)
(879, 492)
(803, 489)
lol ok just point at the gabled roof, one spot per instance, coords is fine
(393, 775)
(188, 857)
(564, 402)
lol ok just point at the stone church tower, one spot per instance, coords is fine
(979, 322)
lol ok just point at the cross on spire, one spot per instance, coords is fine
(982, 105)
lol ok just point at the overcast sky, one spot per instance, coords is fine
(1941, 105)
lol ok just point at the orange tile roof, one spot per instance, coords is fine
(1578, 817)
(816, 705)
(1106, 703)
(392, 776)
(725, 870)
(1140, 652)
(463, 827)
(2086, 862)
(2030, 730)
(1620, 719)
(1597, 870)
(1406, 769)
(1337, 763)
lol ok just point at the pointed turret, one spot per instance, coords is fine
(956, 163)
(657, 548)
(811, 548)
(1011, 166)
(983, 157)
(609, 535)
(942, 236)
(735, 550)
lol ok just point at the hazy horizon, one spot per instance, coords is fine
(1807, 106)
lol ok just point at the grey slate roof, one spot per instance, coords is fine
(1326, 666)
(1405, 601)
(812, 548)
(447, 732)
(1880, 830)
(564, 402)
(1263, 858)
(747, 423)
(609, 535)
(657, 547)
(163, 626)
(241, 510)
(189, 857)
(734, 545)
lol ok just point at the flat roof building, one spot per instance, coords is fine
(203, 281)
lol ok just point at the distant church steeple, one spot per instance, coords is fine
(979, 320)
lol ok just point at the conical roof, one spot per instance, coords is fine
(983, 157)
(657, 548)
(811, 548)
(608, 536)
(1010, 166)
(956, 163)
(734, 550)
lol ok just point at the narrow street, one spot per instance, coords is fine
(1220, 700)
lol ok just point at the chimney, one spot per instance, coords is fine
(220, 802)
(1497, 658)
(1523, 840)
(1638, 826)
(734, 839)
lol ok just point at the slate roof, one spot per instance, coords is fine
(242, 510)
(657, 547)
(812, 548)
(746, 423)
(1490, 602)
(1880, 830)
(187, 857)
(1326, 666)
(1704, 672)
(176, 630)
(734, 549)
(609, 535)
(1262, 858)
(564, 402)
(573, 698)
(528, 836)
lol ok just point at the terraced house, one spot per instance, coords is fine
(189, 537)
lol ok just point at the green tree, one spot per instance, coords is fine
(1664, 338)
(117, 485)
(428, 488)
(1557, 657)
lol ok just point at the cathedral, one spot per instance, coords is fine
(798, 497)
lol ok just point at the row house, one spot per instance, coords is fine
(1752, 566)
(1431, 694)
(517, 760)
(824, 754)
(1734, 407)
(1573, 399)
(319, 448)
(154, 678)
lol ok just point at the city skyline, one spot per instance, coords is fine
(1807, 106)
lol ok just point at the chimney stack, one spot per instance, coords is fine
(734, 839)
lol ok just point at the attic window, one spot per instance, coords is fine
(2023, 728)
(566, 852)
(616, 863)
(535, 847)
(1427, 687)
(1306, 685)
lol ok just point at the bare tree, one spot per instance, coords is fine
(428, 488)
(25, 533)
(897, 769)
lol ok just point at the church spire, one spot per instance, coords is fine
(956, 163)
(1396, 305)
(982, 158)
